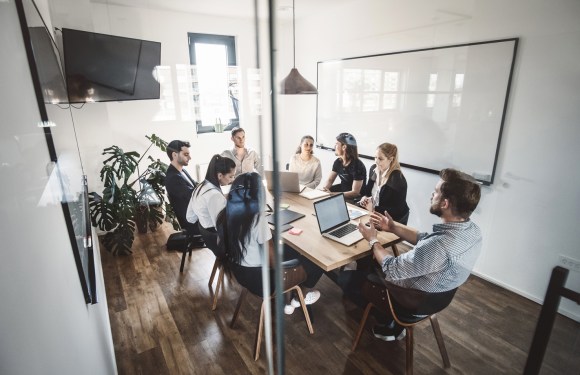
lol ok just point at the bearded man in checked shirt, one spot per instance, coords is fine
(439, 261)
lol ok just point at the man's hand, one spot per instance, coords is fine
(383, 222)
(369, 232)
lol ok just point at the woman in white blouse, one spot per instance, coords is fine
(305, 164)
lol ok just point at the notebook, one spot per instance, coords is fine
(309, 193)
(286, 216)
(334, 221)
(289, 181)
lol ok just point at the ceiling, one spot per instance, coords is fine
(229, 8)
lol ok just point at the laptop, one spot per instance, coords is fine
(289, 181)
(334, 221)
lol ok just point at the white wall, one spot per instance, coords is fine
(45, 325)
(530, 214)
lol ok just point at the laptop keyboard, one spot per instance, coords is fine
(343, 231)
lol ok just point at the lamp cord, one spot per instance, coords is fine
(294, 30)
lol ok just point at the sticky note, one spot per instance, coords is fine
(295, 231)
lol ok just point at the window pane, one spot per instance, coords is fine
(212, 75)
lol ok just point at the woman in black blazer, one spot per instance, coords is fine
(386, 189)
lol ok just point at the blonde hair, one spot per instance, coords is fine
(390, 151)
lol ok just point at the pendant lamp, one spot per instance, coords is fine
(294, 83)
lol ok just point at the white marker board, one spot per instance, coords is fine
(443, 107)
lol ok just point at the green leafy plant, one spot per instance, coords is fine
(130, 199)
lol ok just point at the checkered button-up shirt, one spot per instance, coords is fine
(440, 261)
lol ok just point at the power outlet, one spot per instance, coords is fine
(569, 263)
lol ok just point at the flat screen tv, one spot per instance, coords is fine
(102, 68)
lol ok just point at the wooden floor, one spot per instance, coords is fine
(162, 324)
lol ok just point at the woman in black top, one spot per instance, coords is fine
(386, 189)
(348, 167)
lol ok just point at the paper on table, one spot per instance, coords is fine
(309, 193)
(354, 213)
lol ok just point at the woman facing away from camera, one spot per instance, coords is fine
(386, 189)
(248, 235)
(207, 200)
(306, 164)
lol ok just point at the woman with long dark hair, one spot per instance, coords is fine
(248, 236)
(348, 167)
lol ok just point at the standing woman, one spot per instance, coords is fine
(207, 200)
(348, 167)
(386, 189)
(305, 164)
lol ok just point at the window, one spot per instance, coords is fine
(214, 82)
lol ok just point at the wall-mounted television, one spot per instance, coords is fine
(101, 68)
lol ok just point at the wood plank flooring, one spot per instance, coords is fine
(162, 323)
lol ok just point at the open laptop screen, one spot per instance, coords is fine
(331, 212)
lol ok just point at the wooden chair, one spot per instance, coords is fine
(402, 304)
(293, 275)
(210, 237)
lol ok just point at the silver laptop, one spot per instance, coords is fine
(289, 181)
(334, 221)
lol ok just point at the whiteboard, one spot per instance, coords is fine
(443, 107)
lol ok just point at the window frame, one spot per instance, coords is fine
(225, 40)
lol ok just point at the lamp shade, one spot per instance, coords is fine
(294, 84)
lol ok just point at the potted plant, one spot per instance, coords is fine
(130, 199)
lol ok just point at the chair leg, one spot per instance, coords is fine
(409, 351)
(182, 261)
(214, 269)
(218, 286)
(304, 309)
(440, 342)
(239, 304)
(361, 326)
(259, 333)
(395, 249)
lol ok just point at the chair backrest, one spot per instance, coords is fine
(419, 302)
(410, 301)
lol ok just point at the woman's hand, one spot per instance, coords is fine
(364, 201)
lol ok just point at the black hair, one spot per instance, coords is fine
(175, 146)
(242, 212)
(217, 164)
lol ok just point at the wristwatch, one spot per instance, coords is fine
(372, 243)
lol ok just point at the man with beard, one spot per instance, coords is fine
(179, 183)
(439, 261)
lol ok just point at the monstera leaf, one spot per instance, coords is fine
(122, 163)
(103, 214)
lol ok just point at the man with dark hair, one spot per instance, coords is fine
(246, 159)
(179, 183)
(440, 261)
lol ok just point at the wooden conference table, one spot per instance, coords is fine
(326, 253)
